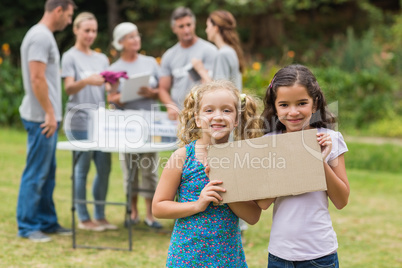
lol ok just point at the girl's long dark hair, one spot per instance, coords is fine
(287, 77)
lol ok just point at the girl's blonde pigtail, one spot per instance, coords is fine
(249, 126)
(187, 129)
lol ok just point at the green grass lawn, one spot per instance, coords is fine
(369, 229)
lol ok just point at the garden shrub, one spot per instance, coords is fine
(363, 97)
(257, 78)
(11, 92)
(354, 54)
(387, 127)
(385, 157)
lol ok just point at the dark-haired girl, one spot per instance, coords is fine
(302, 234)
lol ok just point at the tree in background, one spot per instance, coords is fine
(264, 25)
(355, 44)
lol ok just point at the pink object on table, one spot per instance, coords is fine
(113, 77)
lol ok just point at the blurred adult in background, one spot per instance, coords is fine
(127, 40)
(177, 75)
(229, 61)
(81, 68)
(41, 114)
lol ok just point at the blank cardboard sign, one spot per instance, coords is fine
(270, 166)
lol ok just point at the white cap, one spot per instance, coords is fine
(120, 31)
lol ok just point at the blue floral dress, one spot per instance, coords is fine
(207, 239)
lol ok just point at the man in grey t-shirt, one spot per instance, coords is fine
(41, 114)
(177, 76)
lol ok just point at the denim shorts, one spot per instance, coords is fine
(330, 260)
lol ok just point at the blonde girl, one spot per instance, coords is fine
(205, 234)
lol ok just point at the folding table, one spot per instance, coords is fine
(83, 146)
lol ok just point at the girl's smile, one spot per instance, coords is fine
(218, 126)
(294, 107)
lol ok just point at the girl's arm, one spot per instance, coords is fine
(337, 182)
(335, 174)
(163, 204)
(248, 211)
(265, 203)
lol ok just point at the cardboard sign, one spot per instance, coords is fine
(270, 166)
